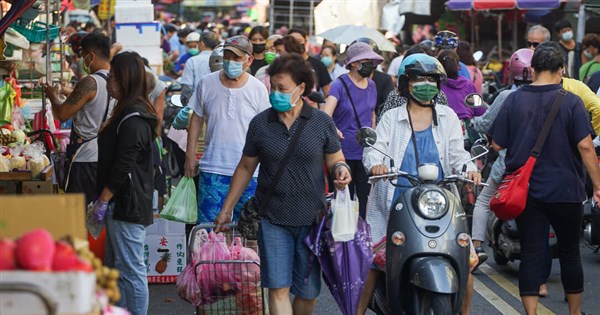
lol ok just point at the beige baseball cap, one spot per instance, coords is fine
(239, 45)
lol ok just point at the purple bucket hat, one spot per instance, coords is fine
(361, 51)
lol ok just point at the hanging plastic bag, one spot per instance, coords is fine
(247, 278)
(215, 279)
(93, 226)
(182, 206)
(187, 286)
(345, 216)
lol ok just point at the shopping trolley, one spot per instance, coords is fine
(50, 305)
(238, 289)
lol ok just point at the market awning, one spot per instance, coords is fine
(456, 5)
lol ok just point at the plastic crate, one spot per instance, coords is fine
(36, 32)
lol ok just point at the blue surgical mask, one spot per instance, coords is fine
(588, 54)
(233, 69)
(282, 102)
(327, 61)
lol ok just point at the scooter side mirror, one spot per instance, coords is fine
(474, 100)
(366, 137)
(176, 100)
(478, 151)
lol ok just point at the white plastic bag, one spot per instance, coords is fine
(345, 216)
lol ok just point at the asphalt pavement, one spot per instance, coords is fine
(496, 292)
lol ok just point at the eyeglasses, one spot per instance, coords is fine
(534, 44)
(422, 78)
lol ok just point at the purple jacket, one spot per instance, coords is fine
(456, 90)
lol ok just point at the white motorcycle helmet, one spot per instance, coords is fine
(215, 62)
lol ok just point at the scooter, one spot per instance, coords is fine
(427, 243)
(591, 223)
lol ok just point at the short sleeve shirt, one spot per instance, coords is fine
(299, 195)
(365, 101)
(227, 113)
(558, 175)
(195, 68)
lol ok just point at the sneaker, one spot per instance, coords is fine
(482, 256)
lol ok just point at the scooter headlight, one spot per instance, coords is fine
(432, 204)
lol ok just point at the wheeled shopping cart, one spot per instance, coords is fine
(229, 287)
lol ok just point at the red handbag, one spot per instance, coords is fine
(511, 197)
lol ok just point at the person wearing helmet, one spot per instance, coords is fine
(215, 61)
(457, 88)
(197, 66)
(422, 120)
(383, 81)
(351, 103)
(521, 74)
(394, 99)
(192, 40)
(447, 40)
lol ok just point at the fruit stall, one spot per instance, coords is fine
(46, 266)
(31, 51)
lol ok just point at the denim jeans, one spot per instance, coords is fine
(125, 251)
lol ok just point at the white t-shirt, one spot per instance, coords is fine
(395, 66)
(227, 114)
(195, 68)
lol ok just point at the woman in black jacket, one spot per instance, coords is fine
(125, 177)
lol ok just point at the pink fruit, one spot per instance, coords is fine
(8, 249)
(35, 250)
(65, 258)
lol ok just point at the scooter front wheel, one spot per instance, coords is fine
(433, 303)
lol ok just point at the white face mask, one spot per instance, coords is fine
(567, 36)
(588, 54)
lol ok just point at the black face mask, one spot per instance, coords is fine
(366, 69)
(258, 48)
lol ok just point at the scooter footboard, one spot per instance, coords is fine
(434, 274)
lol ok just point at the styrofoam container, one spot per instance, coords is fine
(74, 292)
(138, 34)
(134, 13)
(152, 53)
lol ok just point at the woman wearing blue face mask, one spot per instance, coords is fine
(329, 59)
(291, 206)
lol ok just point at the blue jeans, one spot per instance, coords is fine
(284, 260)
(125, 247)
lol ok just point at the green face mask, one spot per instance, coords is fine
(270, 57)
(193, 51)
(86, 68)
(424, 92)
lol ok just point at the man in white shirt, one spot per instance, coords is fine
(226, 101)
(198, 66)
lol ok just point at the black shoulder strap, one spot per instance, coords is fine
(351, 102)
(285, 160)
(105, 77)
(548, 122)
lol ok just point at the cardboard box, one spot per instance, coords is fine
(74, 292)
(157, 246)
(59, 214)
(37, 187)
(139, 34)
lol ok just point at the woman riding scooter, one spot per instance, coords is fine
(417, 133)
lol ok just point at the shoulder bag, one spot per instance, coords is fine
(511, 197)
(353, 107)
(250, 215)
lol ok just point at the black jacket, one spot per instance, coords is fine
(125, 163)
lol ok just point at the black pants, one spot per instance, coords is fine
(359, 186)
(566, 219)
(82, 179)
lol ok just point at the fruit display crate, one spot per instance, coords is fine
(73, 292)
